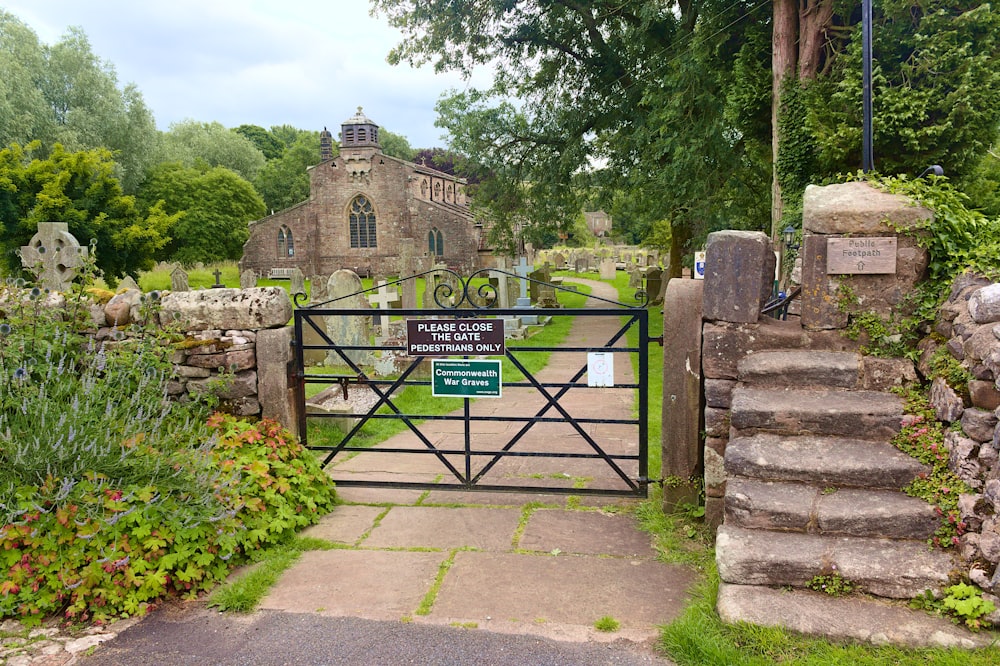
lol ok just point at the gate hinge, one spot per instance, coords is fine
(658, 339)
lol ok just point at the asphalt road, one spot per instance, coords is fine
(202, 637)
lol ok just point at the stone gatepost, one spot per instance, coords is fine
(739, 275)
(856, 254)
(682, 392)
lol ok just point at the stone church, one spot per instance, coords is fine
(371, 213)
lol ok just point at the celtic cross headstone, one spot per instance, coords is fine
(53, 255)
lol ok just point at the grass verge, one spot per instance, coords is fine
(699, 637)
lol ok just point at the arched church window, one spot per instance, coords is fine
(437, 190)
(423, 188)
(451, 192)
(435, 242)
(286, 244)
(362, 222)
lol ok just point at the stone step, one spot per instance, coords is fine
(862, 414)
(851, 618)
(770, 505)
(801, 368)
(821, 461)
(883, 567)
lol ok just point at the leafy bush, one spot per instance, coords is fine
(111, 495)
(963, 603)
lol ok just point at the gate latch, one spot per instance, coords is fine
(344, 381)
(658, 339)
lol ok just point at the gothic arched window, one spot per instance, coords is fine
(362, 222)
(435, 242)
(286, 244)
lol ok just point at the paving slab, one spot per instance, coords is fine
(445, 528)
(345, 524)
(378, 585)
(586, 532)
(540, 593)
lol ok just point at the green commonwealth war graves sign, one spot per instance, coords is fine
(477, 378)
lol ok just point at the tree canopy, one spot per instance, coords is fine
(284, 180)
(662, 111)
(65, 94)
(190, 142)
(211, 206)
(80, 189)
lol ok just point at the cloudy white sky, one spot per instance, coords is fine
(307, 63)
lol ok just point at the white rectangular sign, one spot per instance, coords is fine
(600, 369)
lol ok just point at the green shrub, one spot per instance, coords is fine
(112, 495)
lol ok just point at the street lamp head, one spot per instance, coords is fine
(788, 235)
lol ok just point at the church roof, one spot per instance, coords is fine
(359, 118)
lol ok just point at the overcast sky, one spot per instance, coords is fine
(306, 63)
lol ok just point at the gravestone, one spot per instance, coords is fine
(317, 287)
(343, 287)
(128, 283)
(537, 278)
(654, 285)
(547, 296)
(297, 282)
(179, 280)
(408, 287)
(582, 265)
(248, 279)
(441, 290)
(634, 278)
(382, 300)
(607, 269)
(502, 285)
(559, 259)
(53, 255)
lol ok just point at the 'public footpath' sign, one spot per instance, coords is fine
(465, 379)
(862, 255)
(453, 337)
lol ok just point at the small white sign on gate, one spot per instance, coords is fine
(600, 369)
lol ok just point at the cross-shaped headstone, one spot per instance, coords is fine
(382, 299)
(218, 276)
(522, 268)
(53, 255)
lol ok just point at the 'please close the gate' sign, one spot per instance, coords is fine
(447, 337)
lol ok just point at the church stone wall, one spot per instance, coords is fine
(408, 200)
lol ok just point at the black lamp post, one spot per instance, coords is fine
(867, 154)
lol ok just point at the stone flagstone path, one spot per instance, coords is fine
(497, 561)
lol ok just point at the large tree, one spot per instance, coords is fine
(284, 181)
(682, 102)
(80, 189)
(583, 85)
(65, 94)
(191, 142)
(212, 206)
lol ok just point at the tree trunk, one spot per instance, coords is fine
(783, 61)
(814, 17)
(680, 234)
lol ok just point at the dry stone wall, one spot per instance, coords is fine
(968, 335)
(236, 342)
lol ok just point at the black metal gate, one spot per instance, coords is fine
(482, 445)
